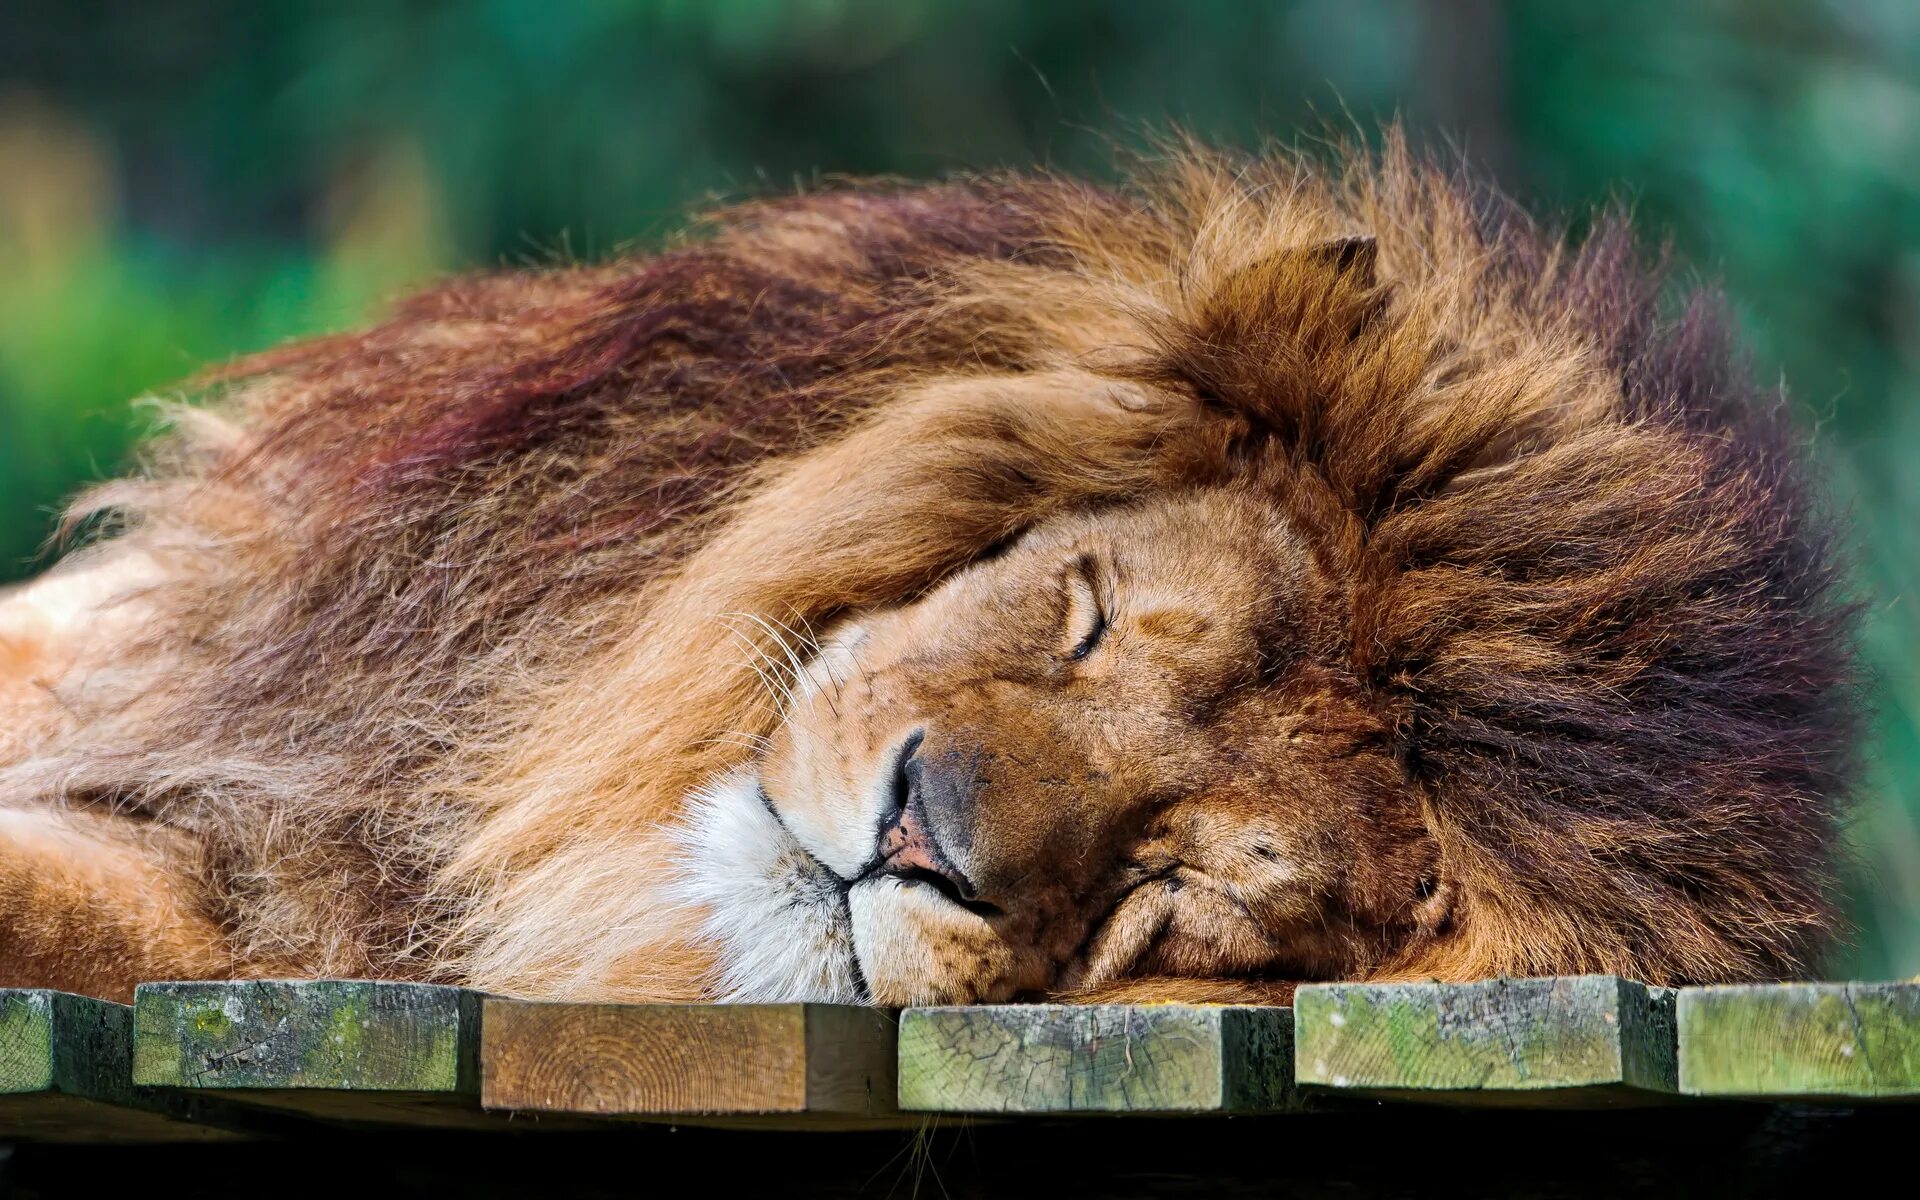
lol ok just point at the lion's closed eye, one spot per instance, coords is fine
(1086, 619)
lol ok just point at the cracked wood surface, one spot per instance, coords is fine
(1801, 1041)
(64, 1076)
(345, 1049)
(1574, 1040)
(1048, 1058)
(217, 1060)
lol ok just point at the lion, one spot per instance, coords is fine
(1267, 568)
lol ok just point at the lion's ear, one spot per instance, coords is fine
(1269, 336)
(1356, 255)
(1349, 261)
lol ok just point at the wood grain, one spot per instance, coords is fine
(1574, 1040)
(816, 1063)
(343, 1049)
(1801, 1041)
(64, 1076)
(1096, 1059)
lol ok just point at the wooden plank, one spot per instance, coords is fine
(1050, 1058)
(1569, 1041)
(64, 1075)
(804, 1065)
(1801, 1041)
(354, 1050)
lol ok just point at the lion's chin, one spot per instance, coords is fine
(776, 917)
(785, 928)
(918, 947)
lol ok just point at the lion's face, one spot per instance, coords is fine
(1121, 748)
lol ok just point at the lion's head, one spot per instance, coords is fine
(1121, 746)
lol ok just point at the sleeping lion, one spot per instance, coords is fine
(1262, 570)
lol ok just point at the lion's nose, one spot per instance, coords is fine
(909, 847)
(906, 846)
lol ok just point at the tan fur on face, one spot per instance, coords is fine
(464, 613)
(1195, 794)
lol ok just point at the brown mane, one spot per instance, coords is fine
(1591, 591)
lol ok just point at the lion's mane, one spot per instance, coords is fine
(464, 604)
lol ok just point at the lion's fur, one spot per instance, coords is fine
(463, 606)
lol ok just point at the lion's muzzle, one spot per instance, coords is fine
(928, 801)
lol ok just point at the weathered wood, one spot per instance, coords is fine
(64, 1076)
(341, 1049)
(1573, 1041)
(804, 1065)
(1050, 1058)
(1801, 1041)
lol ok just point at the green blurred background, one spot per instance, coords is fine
(181, 181)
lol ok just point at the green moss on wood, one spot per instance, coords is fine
(1801, 1041)
(336, 1035)
(57, 1042)
(1482, 1041)
(64, 1076)
(1095, 1059)
(26, 1041)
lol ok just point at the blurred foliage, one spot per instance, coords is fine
(183, 181)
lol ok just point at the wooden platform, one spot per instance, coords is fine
(268, 1059)
(807, 1065)
(1806, 1041)
(64, 1077)
(1052, 1058)
(1584, 1041)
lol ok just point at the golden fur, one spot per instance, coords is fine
(446, 627)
